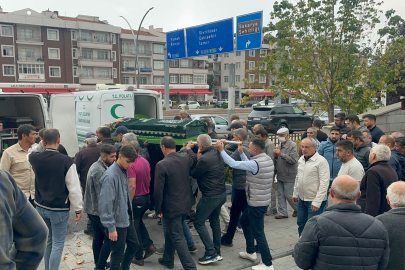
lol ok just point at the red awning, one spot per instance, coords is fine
(261, 94)
(11, 90)
(202, 92)
(34, 90)
(181, 92)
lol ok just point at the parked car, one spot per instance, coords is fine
(323, 116)
(221, 124)
(263, 103)
(191, 105)
(279, 116)
(221, 102)
(170, 102)
(295, 101)
(249, 103)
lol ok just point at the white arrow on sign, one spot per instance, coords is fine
(170, 55)
(220, 49)
(197, 52)
(247, 43)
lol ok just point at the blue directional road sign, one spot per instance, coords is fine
(249, 31)
(211, 38)
(176, 47)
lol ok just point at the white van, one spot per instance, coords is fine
(26, 108)
(96, 108)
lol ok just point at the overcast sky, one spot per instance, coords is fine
(168, 14)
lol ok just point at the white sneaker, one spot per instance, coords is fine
(152, 215)
(262, 266)
(248, 256)
(239, 230)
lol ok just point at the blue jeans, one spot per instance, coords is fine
(305, 213)
(209, 208)
(252, 222)
(56, 221)
(186, 231)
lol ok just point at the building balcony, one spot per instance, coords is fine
(34, 58)
(95, 62)
(133, 53)
(94, 43)
(132, 70)
(36, 40)
(94, 79)
(214, 72)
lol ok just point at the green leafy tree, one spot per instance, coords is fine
(178, 98)
(322, 50)
(210, 82)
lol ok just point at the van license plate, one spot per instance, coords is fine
(256, 118)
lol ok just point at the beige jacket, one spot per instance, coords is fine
(312, 181)
(14, 161)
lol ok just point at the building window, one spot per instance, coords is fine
(226, 55)
(101, 38)
(31, 69)
(262, 79)
(73, 35)
(200, 79)
(185, 64)
(87, 54)
(251, 65)
(53, 53)
(85, 36)
(158, 80)
(174, 63)
(226, 78)
(7, 51)
(263, 66)
(26, 34)
(174, 79)
(8, 70)
(102, 55)
(54, 71)
(114, 70)
(237, 78)
(142, 80)
(6, 31)
(238, 54)
(87, 72)
(273, 82)
(114, 55)
(53, 34)
(28, 54)
(158, 48)
(251, 78)
(252, 53)
(75, 71)
(126, 80)
(74, 53)
(263, 52)
(113, 39)
(237, 65)
(226, 66)
(186, 79)
(157, 64)
(142, 64)
(104, 73)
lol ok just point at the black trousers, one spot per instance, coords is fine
(139, 207)
(101, 243)
(120, 257)
(238, 206)
(175, 240)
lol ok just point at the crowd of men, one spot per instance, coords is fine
(116, 182)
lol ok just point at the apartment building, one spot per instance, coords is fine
(247, 72)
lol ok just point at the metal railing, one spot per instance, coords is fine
(29, 39)
(132, 69)
(96, 59)
(95, 77)
(34, 58)
(294, 137)
(92, 40)
(133, 53)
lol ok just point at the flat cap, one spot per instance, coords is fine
(283, 131)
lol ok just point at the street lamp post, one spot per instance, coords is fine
(136, 44)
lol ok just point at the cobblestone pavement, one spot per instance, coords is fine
(281, 236)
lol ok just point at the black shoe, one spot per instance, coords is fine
(88, 232)
(159, 222)
(226, 243)
(207, 259)
(166, 263)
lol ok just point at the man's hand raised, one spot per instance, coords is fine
(219, 145)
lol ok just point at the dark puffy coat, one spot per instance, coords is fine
(374, 186)
(362, 153)
(343, 238)
(397, 162)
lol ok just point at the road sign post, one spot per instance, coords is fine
(249, 31)
(166, 96)
(231, 91)
(211, 38)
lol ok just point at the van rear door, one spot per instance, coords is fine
(63, 117)
(116, 105)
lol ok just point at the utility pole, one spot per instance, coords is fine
(166, 96)
(231, 91)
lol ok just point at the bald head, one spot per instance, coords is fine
(345, 189)
(396, 194)
(388, 140)
(397, 135)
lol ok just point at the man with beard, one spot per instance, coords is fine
(350, 165)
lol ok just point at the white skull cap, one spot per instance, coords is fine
(283, 131)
